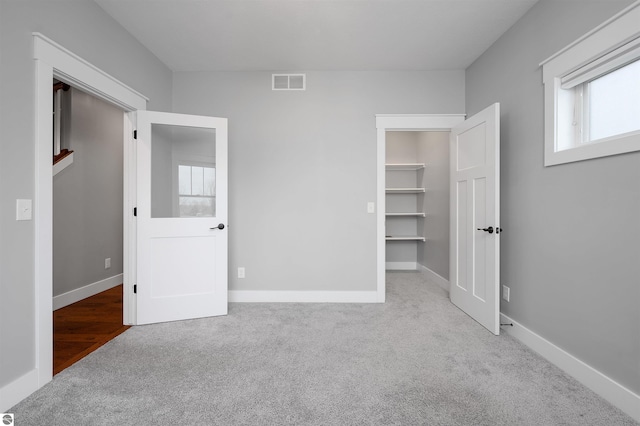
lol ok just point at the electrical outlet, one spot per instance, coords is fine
(107, 263)
(241, 272)
(506, 293)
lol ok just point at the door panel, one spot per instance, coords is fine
(475, 253)
(182, 198)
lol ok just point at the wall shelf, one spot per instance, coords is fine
(405, 190)
(405, 238)
(404, 166)
(418, 214)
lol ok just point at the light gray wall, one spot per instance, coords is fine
(571, 241)
(87, 196)
(433, 150)
(85, 29)
(303, 167)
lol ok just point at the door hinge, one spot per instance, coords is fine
(135, 288)
(135, 211)
(135, 134)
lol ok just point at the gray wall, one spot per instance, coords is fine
(303, 167)
(87, 196)
(571, 241)
(433, 150)
(83, 28)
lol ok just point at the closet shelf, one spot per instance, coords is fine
(404, 190)
(404, 166)
(417, 214)
(404, 238)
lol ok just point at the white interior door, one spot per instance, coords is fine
(475, 217)
(181, 185)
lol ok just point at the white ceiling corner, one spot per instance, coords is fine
(294, 35)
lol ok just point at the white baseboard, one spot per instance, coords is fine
(88, 290)
(436, 278)
(248, 296)
(18, 390)
(615, 393)
(401, 266)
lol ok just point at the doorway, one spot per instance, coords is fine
(474, 212)
(87, 221)
(409, 124)
(53, 61)
(417, 202)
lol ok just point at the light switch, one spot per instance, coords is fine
(23, 209)
(371, 207)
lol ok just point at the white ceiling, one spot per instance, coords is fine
(298, 35)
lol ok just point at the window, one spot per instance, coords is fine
(592, 93)
(196, 190)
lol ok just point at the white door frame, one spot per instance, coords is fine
(54, 61)
(397, 123)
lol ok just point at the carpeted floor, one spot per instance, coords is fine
(416, 360)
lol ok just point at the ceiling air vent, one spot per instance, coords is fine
(288, 81)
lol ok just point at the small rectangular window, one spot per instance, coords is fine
(592, 93)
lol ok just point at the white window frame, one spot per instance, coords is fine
(197, 161)
(605, 48)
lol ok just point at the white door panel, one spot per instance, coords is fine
(475, 217)
(181, 200)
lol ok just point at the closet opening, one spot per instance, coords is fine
(417, 202)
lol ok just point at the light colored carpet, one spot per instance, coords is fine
(416, 360)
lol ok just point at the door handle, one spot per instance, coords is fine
(220, 226)
(489, 229)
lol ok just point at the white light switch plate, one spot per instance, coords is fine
(371, 207)
(24, 209)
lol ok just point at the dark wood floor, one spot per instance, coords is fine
(84, 326)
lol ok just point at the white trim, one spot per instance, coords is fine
(607, 388)
(52, 60)
(73, 296)
(257, 296)
(434, 277)
(401, 266)
(63, 164)
(74, 70)
(398, 122)
(417, 122)
(622, 15)
(19, 389)
(129, 259)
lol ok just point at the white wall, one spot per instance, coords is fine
(571, 241)
(303, 167)
(83, 28)
(87, 196)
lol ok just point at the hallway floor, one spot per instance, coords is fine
(84, 326)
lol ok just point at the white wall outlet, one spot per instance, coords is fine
(506, 293)
(241, 272)
(371, 207)
(24, 209)
(107, 263)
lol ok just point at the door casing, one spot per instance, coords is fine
(54, 61)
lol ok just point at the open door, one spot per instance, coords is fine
(181, 185)
(475, 217)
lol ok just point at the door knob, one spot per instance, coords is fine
(220, 226)
(489, 229)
